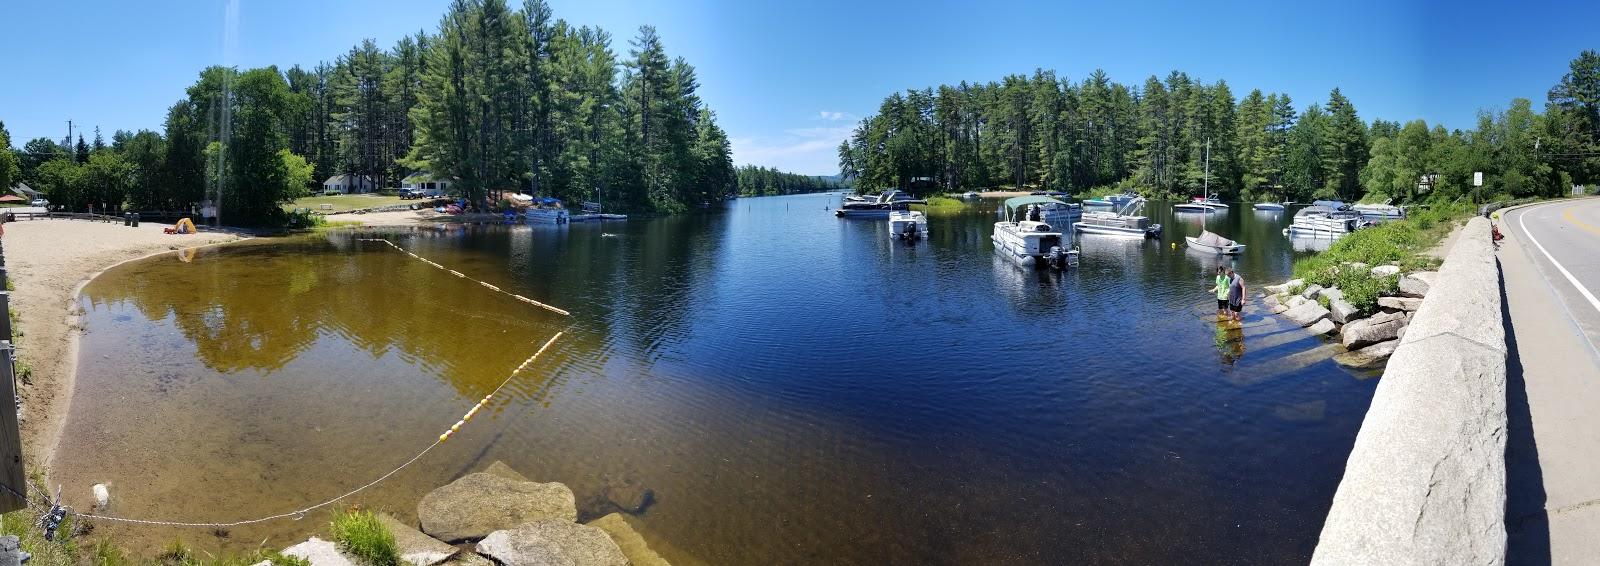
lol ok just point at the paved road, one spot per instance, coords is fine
(1550, 262)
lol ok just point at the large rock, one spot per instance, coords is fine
(320, 553)
(1417, 284)
(1407, 304)
(1379, 328)
(1271, 301)
(1369, 357)
(499, 468)
(1284, 288)
(1341, 311)
(1385, 270)
(552, 542)
(480, 503)
(1310, 290)
(415, 547)
(1331, 293)
(633, 546)
(1307, 314)
(1321, 327)
(1295, 301)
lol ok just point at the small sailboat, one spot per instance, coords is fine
(1208, 241)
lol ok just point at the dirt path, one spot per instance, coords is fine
(48, 262)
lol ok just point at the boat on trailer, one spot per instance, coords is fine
(908, 225)
(1026, 240)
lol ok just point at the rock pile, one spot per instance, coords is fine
(497, 516)
(1368, 342)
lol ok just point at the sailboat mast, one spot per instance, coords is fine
(1205, 190)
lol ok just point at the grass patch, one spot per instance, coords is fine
(1402, 242)
(945, 204)
(360, 534)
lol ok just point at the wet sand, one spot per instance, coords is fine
(48, 262)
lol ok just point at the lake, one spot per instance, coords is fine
(791, 387)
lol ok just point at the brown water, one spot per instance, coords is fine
(791, 387)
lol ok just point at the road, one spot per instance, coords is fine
(1550, 262)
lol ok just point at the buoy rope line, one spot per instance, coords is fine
(486, 285)
(300, 513)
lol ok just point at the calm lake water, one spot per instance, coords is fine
(792, 388)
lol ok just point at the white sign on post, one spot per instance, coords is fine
(1477, 178)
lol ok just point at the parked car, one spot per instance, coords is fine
(39, 202)
(408, 194)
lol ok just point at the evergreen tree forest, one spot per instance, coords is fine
(502, 99)
(1095, 135)
(757, 181)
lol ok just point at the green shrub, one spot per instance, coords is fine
(281, 559)
(360, 534)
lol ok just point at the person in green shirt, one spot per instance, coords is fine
(1221, 289)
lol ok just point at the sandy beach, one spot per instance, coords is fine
(48, 262)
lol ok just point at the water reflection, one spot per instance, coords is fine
(792, 387)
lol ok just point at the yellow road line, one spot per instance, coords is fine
(1566, 214)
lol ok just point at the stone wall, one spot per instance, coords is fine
(1425, 482)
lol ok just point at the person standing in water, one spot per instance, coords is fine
(1235, 294)
(1221, 289)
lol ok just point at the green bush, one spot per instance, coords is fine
(280, 559)
(360, 534)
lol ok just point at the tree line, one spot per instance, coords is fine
(1094, 135)
(757, 181)
(499, 99)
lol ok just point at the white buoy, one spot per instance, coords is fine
(102, 496)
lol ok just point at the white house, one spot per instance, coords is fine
(344, 184)
(426, 181)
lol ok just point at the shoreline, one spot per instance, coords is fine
(49, 262)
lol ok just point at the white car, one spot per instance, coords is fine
(39, 202)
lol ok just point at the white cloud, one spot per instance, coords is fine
(835, 116)
(810, 151)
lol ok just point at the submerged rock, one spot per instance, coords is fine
(1417, 284)
(499, 468)
(415, 547)
(633, 546)
(551, 542)
(1370, 357)
(1379, 328)
(480, 503)
(1307, 314)
(1407, 304)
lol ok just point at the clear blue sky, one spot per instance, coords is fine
(788, 79)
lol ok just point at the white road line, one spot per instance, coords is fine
(1522, 221)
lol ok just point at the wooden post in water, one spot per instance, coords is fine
(13, 477)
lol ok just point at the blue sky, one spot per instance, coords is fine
(788, 79)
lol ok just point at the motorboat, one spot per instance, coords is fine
(1120, 200)
(1098, 202)
(546, 210)
(1026, 240)
(1269, 206)
(880, 208)
(1057, 194)
(1383, 211)
(1210, 242)
(1121, 222)
(1201, 204)
(971, 195)
(908, 225)
(1322, 221)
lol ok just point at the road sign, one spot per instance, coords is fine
(1477, 178)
